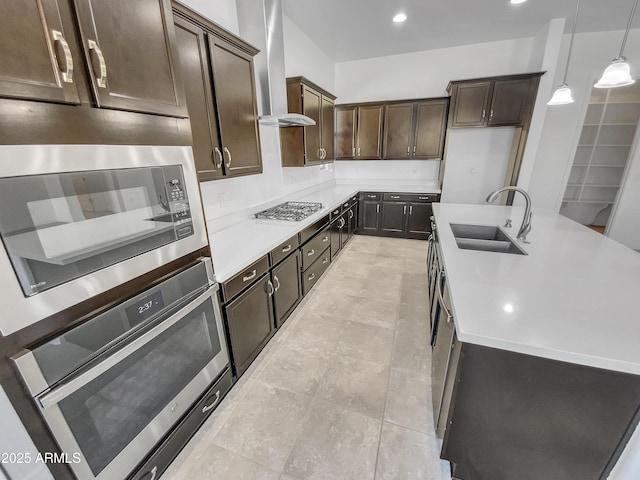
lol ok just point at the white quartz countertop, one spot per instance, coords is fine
(574, 297)
(240, 245)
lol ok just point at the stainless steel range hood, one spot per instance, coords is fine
(260, 22)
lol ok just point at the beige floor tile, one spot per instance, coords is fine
(296, 367)
(335, 444)
(217, 462)
(381, 313)
(414, 318)
(264, 425)
(411, 347)
(342, 283)
(366, 342)
(383, 285)
(329, 304)
(407, 455)
(388, 263)
(358, 385)
(317, 330)
(409, 400)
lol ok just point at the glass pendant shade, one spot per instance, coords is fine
(617, 74)
(561, 96)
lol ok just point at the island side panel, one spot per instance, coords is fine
(526, 417)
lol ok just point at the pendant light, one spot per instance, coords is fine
(562, 95)
(618, 73)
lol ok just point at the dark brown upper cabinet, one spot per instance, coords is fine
(221, 97)
(345, 143)
(128, 49)
(36, 60)
(313, 144)
(493, 102)
(415, 130)
(362, 123)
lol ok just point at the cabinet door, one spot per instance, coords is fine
(470, 104)
(370, 216)
(509, 102)
(344, 231)
(235, 96)
(398, 126)
(194, 65)
(35, 59)
(129, 51)
(286, 282)
(250, 321)
(328, 129)
(336, 244)
(345, 135)
(418, 220)
(393, 217)
(369, 132)
(431, 119)
(312, 108)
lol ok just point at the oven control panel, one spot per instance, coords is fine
(179, 207)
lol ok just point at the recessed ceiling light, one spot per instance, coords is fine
(400, 17)
(516, 2)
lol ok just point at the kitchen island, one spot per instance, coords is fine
(543, 375)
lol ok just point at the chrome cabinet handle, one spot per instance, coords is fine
(226, 150)
(219, 153)
(484, 113)
(404, 210)
(444, 307)
(336, 212)
(414, 149)
(286, 249)
(248, 277)
(319, 154)
(271, 288)
(353, 152)
(65, 67)
(423, 198)
(275, 279)
(350, 213)
(345, 205)
(491, 115)
(410, 209)
(311, 253)
(325, 261)
(311, 277)
(343, 223)
(395, 196)
(209, 407)
(102, 65)
(358, 151)
(408, 149)
(378, 208)
(154, 472)
(372, 196)
(325, 239)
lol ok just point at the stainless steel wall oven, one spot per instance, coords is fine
(111, 388)
(77, 220)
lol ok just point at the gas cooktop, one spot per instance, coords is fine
(290, 211)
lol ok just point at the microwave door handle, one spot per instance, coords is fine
(67, 388)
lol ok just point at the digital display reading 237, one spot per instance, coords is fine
(145, 308)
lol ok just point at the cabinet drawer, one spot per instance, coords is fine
(311, 230)
(315, 271)
(411, 197)
(353, 200)
(162, 457)
(371, 196)
(314, 248)
(283, 250)
(242, 280)
(335, 213)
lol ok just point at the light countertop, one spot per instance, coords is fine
(574, 297)
(238, 246)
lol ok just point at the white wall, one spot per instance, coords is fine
(624, 225)
(302, 57)
(222, 12)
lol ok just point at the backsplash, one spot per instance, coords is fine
(230, 201)
(373, 171)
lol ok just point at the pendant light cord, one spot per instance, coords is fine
(573, 34)
(626, 34)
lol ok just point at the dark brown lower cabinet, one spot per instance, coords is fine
(336, 233)
(403, 215)
(287, 291)
(370, 215)
(312, 274)
(512, 415)
(418, 223)
(250, 322)
(394, 218)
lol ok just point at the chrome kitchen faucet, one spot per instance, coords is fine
(525, 228)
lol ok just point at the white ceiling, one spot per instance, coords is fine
(355, 29)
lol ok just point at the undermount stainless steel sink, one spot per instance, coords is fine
(486, 238)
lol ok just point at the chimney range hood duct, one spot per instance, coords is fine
(260, 23)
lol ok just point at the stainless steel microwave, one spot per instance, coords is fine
(78, 220)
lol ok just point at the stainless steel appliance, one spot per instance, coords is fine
(113, 387)
(77, 220)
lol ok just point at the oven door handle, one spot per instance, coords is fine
(67, 388)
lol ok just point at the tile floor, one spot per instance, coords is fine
(342, 391)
